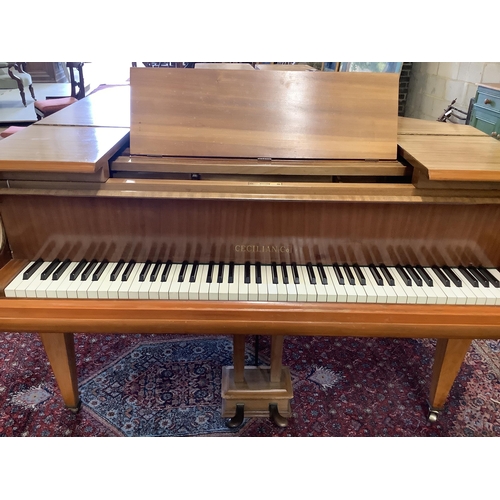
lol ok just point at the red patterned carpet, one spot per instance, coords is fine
(160, 385)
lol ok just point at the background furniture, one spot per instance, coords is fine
(12, 75)
(50, 106)
(485, 114)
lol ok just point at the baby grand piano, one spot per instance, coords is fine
(248, 202)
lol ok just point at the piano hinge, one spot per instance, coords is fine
(265, 159)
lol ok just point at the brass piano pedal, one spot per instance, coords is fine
(275, 416)
(237, 420)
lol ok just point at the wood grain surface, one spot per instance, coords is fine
(258, 230)
(211, 65)
(105, 108)
(453, 158)
(61, 149)
(415, 126)
(263, 114)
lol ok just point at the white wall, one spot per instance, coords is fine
(434, 85)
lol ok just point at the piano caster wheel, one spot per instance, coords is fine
(433, 416)
(237, 420)
(75, 409)
(275, 416)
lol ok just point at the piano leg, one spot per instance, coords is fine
(263, 391)
(60, 349)
(448, 359)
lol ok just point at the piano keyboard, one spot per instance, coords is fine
(257, 282)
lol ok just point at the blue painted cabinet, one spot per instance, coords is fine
(485, 114)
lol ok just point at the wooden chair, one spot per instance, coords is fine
(12, 75)
(50, 106)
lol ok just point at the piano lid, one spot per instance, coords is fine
(263, 114)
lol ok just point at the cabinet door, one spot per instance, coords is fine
(484, 120)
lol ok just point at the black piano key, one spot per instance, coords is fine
(182, 272)
(194, 272)
(349, 275)
(477, 274)
(404, 276)
(425, 275)
(414, 275)
(322, 274)
(128, 270)
(453, 277)
(144, 270)
(98, 272)
(387, 274)
(166, 271)
(210, 271)
(155, 271)
(220, 273)
(441, 276)
(116, 271)
(359, 274)
(247, 272)
(494, 281)
(338, 274)
(376, 275)
(50, 269)
(274, 273)
(32, 269)
(295, 273)
(61, 269)
(310, 273)
(230, 275)
(284, 273)
(468, 276)
(88, 270)
(258, 273)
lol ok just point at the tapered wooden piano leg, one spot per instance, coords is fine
(276, 355)
(60, 349)
(448, 359)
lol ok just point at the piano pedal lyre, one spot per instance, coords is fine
(256, 391)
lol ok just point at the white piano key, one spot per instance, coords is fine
(17, 287)
(159, 285)
(262, 290)
(471, 291)
(404, 292)
(281, 288)
(332, 293)
(135, 284)
(242, 286)
(194, 289)
(169, 289)
(57, 289)
(321, 291)
(253, 291)
(123, 292)
(213, 288)
(233, 288)
(310, 290)
(496, 291)
(447, 292)
(294, 294)
(203, 291)
(186, 284)
(145, 286)
(224, 286)
(272, 288)
(379, 291)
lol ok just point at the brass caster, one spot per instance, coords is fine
(75, 409)
(237, 420)
(433, 416)
(275, 416)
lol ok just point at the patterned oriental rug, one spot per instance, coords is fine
(164, 385)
